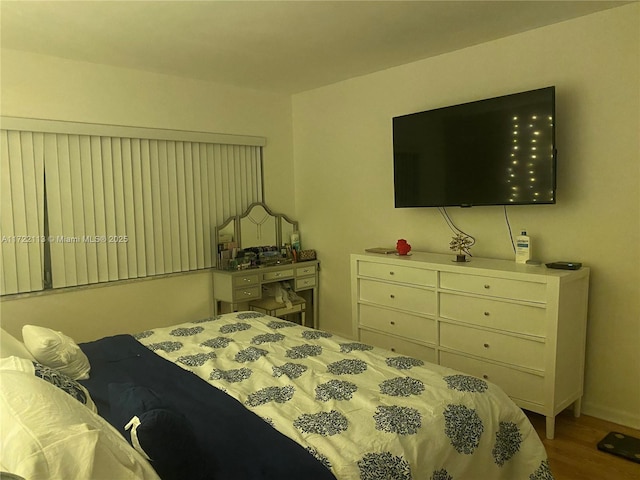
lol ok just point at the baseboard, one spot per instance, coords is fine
(610, 415)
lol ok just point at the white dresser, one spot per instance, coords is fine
(522, 327)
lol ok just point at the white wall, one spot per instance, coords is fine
(344, 177)
(40, 86)
(98, 311)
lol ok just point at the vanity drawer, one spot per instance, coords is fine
(249, 293)
(398, 296)
(396, 273)
(398, 323)
(305, 282)
(494, 287)
(279, 275)
(245, 280)
(493, 346)
(304, 271)
(492, 313)
(398, 345)
(515, 383)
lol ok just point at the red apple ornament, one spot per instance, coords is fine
(403, 247)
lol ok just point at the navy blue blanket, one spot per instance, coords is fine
(234, 443)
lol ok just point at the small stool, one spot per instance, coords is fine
(269, 306)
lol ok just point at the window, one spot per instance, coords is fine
(84, 203)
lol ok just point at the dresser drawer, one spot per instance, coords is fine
(398, 323)
(492, 345)
(515, 383)
(307, 270)
(245, 280)
(399, 346)
(494, 287)
(279, 275)
(398, 273)
(398, 296)
(492, 313)
(305, 282)
(249, 293)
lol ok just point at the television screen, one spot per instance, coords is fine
(498, 151)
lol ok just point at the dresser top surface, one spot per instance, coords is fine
(475, 265)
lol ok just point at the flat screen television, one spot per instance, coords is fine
(497, 151)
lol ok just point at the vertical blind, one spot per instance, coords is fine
(21, 211)
(118, 207)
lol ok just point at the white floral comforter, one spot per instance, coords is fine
(366, 413)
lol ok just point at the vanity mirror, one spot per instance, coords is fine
(258, 228)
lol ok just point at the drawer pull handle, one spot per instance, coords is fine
(487, 286)
(485, 376)
(247, 294)
(486, 345)
(392, 273)
(393, 349)
(392, 322)
(392, 296)
(486, 314)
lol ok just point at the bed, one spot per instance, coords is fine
(249, 396)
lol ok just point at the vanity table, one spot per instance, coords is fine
(236, 287)
(256, 227)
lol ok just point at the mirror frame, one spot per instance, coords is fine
(235, 219)
(267, 227)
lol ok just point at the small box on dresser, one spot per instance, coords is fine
(521, 327)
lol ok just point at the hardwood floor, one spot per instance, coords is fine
(573, 453)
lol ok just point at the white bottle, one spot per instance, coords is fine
(523, 247)
(295, 241)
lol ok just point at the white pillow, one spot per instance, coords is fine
(56, 350)
(47, 434)
(10, 346)
(50, 375)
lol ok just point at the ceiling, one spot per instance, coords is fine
(280, 46)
